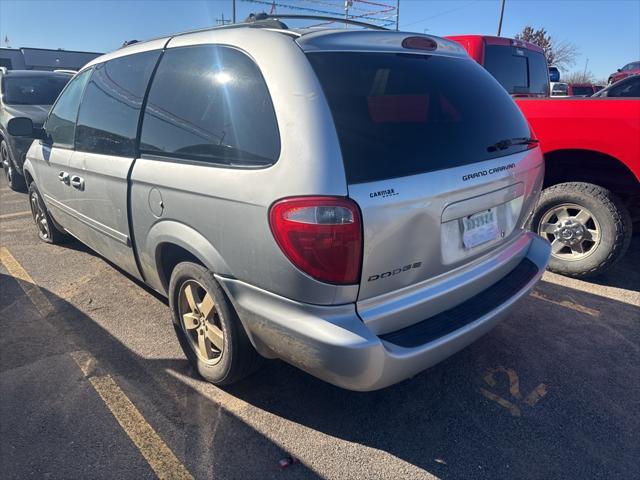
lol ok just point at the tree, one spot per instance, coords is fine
(562, 54)
(579, 77)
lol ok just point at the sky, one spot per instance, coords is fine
(606, 32)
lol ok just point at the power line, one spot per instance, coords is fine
(441, 13)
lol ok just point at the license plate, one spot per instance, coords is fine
(479, 228)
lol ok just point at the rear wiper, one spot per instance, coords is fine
(509, 142)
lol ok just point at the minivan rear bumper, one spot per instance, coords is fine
(334, 344)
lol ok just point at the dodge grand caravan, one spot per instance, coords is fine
(339, 199)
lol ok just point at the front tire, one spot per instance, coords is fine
(209, 330)
(589, 228)
(14, 179)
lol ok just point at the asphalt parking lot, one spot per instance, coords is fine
(93, 384)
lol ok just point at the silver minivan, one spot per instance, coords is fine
(349, 201)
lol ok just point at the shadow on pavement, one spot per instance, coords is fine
(52, 425)
(585, 426)
(626, 273)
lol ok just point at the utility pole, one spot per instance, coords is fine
(584, 74)
(233, 11)
(501, 15)
(397, 15)
(347, 4)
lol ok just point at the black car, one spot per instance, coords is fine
(627, 88)
(24, 93)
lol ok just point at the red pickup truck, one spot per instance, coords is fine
(591, 191)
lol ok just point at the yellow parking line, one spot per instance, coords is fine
(25, 281)
(8, 216)
(157, 454)
(566, 304)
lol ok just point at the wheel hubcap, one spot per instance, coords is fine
(572, 230)
(39, 217)
(201, 321)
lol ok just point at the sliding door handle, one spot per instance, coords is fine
(77, 182)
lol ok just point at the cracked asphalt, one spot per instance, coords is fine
(552, 392)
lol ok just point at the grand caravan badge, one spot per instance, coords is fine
(491, 171)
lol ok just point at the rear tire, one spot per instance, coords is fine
(14, 179)
(47, 230)
(211, 334)
(588, 226)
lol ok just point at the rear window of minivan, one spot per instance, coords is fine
(402, 114)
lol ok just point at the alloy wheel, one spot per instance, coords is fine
(201, 321)
(572, 230)
(6, 166)
(39, 216)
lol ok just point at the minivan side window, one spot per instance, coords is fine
(61, 124)
(210, 103)
(110, 110)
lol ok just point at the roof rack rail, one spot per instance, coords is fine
(320, 17)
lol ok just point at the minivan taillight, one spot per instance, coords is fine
(322, 236)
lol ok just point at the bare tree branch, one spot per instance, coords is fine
(562, 54)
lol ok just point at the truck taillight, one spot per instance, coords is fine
(322, 236)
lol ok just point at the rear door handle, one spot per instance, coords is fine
(64, 177)
(77, 182)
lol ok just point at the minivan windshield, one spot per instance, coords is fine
(519, 70)
(400, 114)
(36, 90)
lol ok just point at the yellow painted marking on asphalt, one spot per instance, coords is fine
(157, 454)
(8, 216)
(567, 304)
(537, 393)
(514, 410)
(25, 281)
(514, 389)
(514, 381)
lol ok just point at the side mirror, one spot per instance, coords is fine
(619, 69)
(20, 127)
(23, 127)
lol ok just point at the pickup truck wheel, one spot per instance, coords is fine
(47, 231)
(14, 179)
(589, 228)
(209, 330)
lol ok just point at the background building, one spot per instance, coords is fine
(44, 59)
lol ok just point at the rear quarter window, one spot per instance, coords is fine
(210, 103)
(404, 114)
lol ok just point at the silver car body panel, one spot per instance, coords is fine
(100, 206)
(332, 343)
(420, 223)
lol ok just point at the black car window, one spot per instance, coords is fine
(61, 123)
(110, 110)
(404, 114)
(37, 90)
(210, 103)
(519, 70)
(586, 91)
(626, 88)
